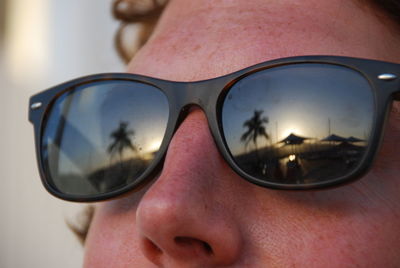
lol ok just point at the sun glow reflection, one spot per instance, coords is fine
(290, 130)
(154, 146)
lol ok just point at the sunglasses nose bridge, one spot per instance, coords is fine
(200, 93)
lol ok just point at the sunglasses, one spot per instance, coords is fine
(294, 123)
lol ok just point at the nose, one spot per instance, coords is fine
(183, 219)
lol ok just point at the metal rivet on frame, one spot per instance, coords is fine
(387, 77)
(36, 105)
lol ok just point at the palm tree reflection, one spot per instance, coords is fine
(122, 140)
(255, 128)
(125, 170)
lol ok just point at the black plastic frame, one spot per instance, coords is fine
(209, 95)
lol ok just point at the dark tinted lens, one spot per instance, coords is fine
(101, 136)
(300, 123)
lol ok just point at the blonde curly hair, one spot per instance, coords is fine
(143, 14)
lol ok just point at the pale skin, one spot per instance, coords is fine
(200, 213)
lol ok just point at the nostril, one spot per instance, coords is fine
(151, 247)
(195, 243)
(208, 248)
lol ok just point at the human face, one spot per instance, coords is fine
(197, 212)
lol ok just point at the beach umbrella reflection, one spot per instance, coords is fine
(354, 139)
(335, 138)
(293, 139)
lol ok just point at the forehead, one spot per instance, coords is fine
(201, 39)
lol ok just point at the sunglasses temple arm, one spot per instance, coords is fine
(396, 95)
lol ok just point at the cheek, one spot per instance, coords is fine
(327, 229)
(111, 241)
(359, 240)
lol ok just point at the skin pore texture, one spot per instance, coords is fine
(198, 212)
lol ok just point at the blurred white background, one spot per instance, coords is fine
(42, 43)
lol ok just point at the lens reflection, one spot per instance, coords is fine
(102, 136)
(300, 123)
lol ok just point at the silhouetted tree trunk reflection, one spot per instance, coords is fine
(255, 128)
(121, 140)
(118, 174)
